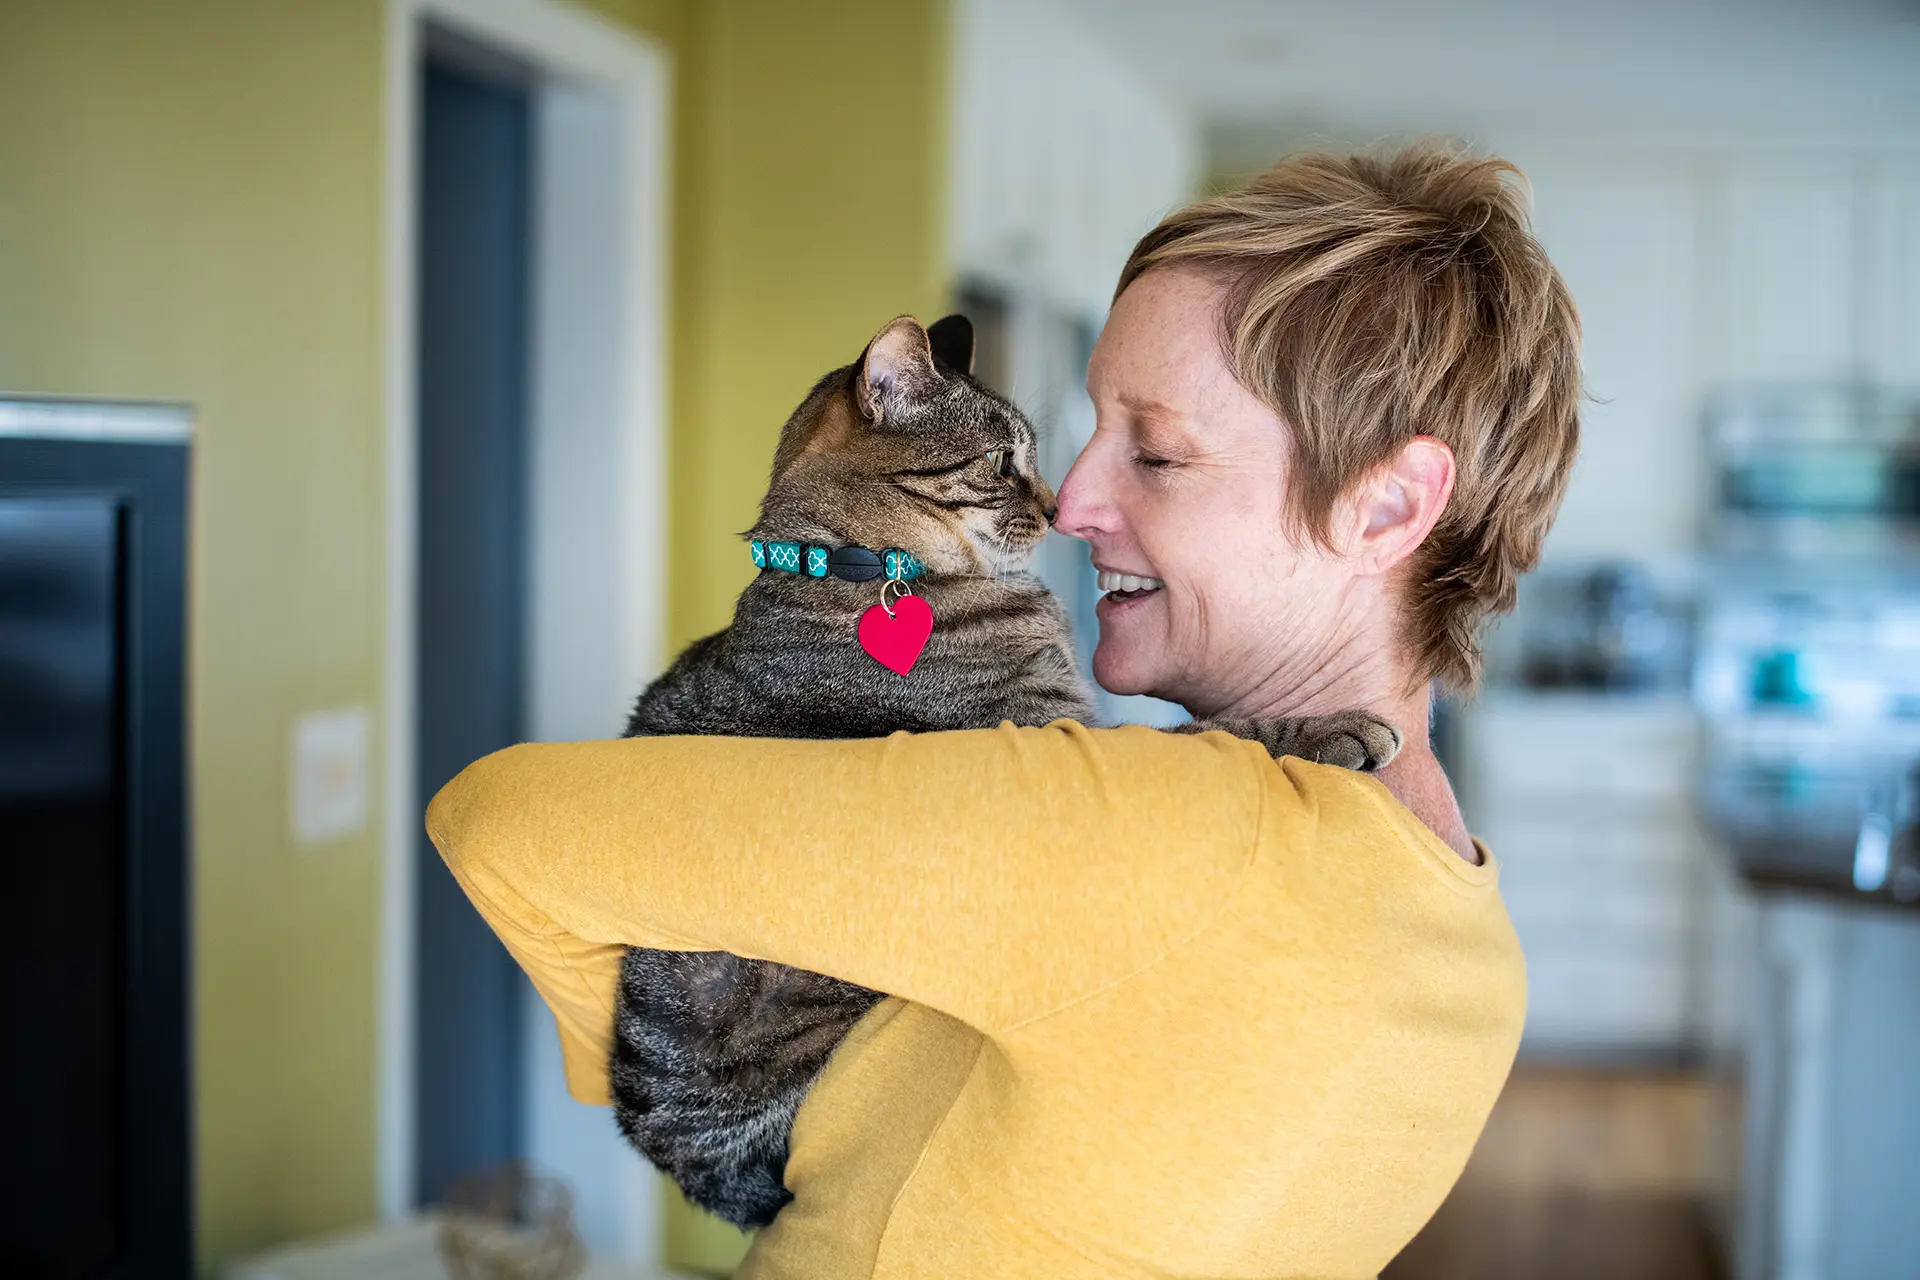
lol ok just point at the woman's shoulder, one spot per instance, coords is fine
(1319, 811)
(1342, 862)
(1298, 807)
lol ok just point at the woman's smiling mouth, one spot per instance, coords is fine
(1120, 587)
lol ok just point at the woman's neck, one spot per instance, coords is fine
(1363, 668)
(1416, 780)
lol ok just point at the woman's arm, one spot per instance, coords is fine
(993, 874)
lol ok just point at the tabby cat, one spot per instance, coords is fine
(901, 449)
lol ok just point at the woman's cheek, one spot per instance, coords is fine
(1188, 623)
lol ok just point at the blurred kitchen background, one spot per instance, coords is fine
(456, 334)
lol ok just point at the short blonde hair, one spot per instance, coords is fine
(1370, 300)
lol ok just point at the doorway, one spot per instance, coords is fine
(525, 224)
(475, 215)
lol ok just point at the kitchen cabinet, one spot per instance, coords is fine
(1890, 311)
(1586, 802)
(1832, 1135)
(1782, 263)
(1063, 156)
(1813, 267)
(1624, 237)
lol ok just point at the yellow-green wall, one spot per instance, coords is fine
(190, 209)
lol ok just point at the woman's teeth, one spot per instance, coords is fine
(1125, 582)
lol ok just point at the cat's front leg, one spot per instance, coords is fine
(1356, 740)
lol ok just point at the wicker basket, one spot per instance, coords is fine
(510, 1223)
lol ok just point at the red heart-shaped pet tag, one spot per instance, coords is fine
(895, 642)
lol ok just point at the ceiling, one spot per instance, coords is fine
(1478, 67)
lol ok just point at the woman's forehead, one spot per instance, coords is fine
(1161, 343)
(1160, 365)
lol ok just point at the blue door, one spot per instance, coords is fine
(474, 191)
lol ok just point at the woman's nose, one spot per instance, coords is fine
(1077, 511)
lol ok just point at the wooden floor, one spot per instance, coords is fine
(1580, 1175)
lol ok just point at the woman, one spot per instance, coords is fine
(1166, 1007)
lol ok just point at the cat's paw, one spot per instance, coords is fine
(1357, 740)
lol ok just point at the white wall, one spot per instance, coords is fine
(1062, 154)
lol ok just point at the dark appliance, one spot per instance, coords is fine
(93, 535)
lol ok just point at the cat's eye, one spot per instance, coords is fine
(1001, 460)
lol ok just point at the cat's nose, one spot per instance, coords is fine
(1044, 498)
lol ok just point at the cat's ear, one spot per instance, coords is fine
(952, 340)
(897, 366)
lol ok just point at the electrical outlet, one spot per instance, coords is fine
(329, 775)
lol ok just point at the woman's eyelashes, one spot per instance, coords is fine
(1159, 449)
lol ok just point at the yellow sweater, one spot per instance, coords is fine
(1163, 1007)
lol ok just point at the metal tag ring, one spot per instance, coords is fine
(901, 588)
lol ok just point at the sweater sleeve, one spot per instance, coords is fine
(995, 875)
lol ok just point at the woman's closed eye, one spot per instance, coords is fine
(1151, 462)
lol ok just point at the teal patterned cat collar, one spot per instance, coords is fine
(852, 564)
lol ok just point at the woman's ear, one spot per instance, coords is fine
(1400, 504)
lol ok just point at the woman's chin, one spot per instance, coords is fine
(1119, 671)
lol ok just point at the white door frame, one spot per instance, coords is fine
(596, 430)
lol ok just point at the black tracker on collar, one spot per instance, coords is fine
(854, 564)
